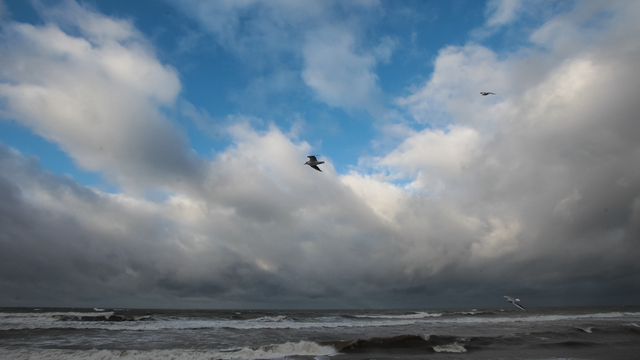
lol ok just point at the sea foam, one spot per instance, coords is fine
(451, 348)
(417, 315)
(303, 348)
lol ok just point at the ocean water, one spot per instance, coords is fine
(504, 333)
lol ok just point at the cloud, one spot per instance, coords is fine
(98, 94)
(502, 12)
(452, 93)
(538, 181)
(339, 76)
(550, 154)
(266, 228)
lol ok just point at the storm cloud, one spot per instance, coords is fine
(535, 190)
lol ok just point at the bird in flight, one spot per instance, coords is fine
(515, 302)
(313, 162)
(485, 93)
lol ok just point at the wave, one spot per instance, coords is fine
(473, 312)
(570, 344)
(563, 338)
(633, 328)
(416, 315)
(451, 348)
(417, 344)
(302, 348)
(118, 322)
(537, 318)
(110, 320)
(65, 320)
(428, 342)
(273, 319)
(587, 329)
(107, 317)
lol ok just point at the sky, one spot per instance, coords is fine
(151, 153)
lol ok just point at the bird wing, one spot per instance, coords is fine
(312, 158)
(520, 306)
(316, 167)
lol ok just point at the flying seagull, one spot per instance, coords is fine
(515, 302)
(313, 162)
(485, 93)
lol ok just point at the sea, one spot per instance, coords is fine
(501, 333)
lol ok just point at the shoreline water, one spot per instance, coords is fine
(509, 333)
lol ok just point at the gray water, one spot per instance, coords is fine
(503, 333)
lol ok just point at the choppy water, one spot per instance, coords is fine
(508, 333)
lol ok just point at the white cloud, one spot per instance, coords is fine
(385, 199)
(460, 74)
(337, 73)
(97, 95)
(544, 159)
(434, 157)
(502, 12)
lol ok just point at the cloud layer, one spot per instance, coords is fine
(99, 95)
(534, 190)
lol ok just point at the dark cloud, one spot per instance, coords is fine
(534, 192)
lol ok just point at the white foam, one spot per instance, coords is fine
(47, 320)
(538, 318)
(53, 320)
(471, 312)
(451, 348)
(586, 329)
(280, 318)
(43, 320)
(303, 348)
(418, 315)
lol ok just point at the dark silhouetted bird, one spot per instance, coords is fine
(313, 162)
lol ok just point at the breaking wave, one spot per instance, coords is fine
(120, 320)
(587, 329)
(451, 348)
(303, 348)
(416, 315)
(424, 342)
(274, 319)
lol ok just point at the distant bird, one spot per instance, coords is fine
(485, 93)
(313, 162)
(515, 302)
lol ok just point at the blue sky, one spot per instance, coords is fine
(154, 150)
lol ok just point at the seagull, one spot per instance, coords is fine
(313, 162)
(485, 93)
(515, 302)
